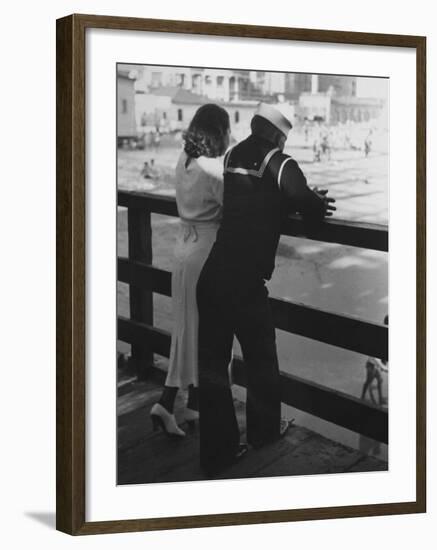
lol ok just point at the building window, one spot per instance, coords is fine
(156, 79)
(237, 117)
(220, 80)
(124, 106)
(180, 80)
(180, 115)
(164, 115)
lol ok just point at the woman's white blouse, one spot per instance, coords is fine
(199, 189)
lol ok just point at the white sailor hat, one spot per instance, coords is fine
(280, 115)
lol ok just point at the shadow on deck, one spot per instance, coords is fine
(145, 456)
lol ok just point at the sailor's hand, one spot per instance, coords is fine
(328, 201)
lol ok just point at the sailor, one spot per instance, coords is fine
(262, 185)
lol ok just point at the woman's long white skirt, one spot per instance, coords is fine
(193, 245)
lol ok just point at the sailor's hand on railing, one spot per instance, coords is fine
(328, 201)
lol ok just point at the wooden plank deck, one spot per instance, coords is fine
(145, 456)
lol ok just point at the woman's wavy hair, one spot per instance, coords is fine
(207, 134)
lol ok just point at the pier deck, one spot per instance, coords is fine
(145, 456)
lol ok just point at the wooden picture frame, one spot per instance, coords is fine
(71, 252)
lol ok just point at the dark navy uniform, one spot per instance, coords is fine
(261, 186)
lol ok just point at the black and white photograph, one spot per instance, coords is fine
(252, 297)
(218, 282)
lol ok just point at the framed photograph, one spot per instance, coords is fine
(240, 274)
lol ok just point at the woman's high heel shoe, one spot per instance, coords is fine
(161, 418)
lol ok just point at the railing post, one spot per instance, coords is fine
(140, 301)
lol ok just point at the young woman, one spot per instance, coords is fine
(199, 197)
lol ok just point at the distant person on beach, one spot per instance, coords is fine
(149, 170)
(145, 171)
(261, 186)
(374, 369)
(368, 144)
(317, 150)
(153, 169)
(317, 144)
(325, 143)
(199, 198)
(157, 140)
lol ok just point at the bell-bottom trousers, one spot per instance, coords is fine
(230, 304)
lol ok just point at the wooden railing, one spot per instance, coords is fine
(343, 331)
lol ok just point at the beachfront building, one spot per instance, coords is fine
(356, 109)
(340, 109)
(268, 83)
(315, 106)
(292, 85)
(216, 84)
(167, 108)
(126, 115)
(334, 99)
(166, 98)
(171, 109)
